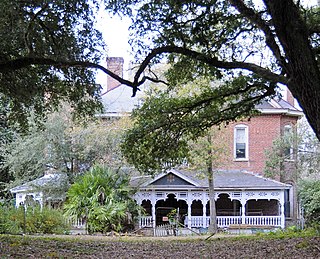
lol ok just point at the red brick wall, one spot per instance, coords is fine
(262, 130)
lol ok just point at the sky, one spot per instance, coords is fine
(115, 32)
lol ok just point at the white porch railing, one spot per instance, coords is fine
(226, 221)
(223, 221)
(196, 221)
(263, 220)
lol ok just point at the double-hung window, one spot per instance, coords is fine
(241, 142)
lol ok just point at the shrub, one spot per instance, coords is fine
(103, 197)
(309, 194)
(33, 220)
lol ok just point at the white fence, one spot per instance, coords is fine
(165, 230)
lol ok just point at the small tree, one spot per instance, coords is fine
(207, 155)
(298, 148)
(103, 198)
(65, 145)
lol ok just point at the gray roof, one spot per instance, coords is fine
(278, 106)
(231, 179)
(276, 103)
(244, 179)
(120, 100)
(53, 180)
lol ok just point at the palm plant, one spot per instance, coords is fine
(103, 198)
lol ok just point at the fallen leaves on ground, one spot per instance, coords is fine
(142, 247)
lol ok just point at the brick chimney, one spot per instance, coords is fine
(290, 98)
(115, 65)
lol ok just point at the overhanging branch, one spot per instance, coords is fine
(211, 61)
(24, 62)
(20, 63)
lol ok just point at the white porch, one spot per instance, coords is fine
(248, 207)
(241, 198)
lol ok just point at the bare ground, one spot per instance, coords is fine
(166, 247)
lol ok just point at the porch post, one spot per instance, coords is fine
(153, 213)
(189, 202)
(204, 210)
(281, 208)
(243, 211)
(153, 209)
(40, 199)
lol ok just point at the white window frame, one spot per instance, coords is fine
(246, 128)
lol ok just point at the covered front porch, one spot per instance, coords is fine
(241, 198)
(191, 213)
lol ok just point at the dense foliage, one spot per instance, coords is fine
(64, 145)
(49, 46)
(168, 121)
(310, 200)
(104, 199)
(6, 136)
(48, 30)
(33, 220)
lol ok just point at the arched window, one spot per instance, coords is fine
(241, 151)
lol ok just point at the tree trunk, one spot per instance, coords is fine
(300, 65)
(213, 228)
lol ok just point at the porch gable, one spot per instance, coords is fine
(172, 178)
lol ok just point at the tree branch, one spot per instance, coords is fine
(20, 63)
(212, 61)
(33, 16)
(255, 18)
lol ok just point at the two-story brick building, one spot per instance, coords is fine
(243, 195)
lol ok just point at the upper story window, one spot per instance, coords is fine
(241, 142)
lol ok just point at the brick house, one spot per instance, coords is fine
(243, 195)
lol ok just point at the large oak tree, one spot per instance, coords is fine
(277, 41)
(266, 42)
